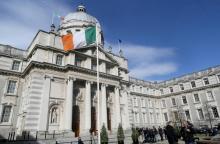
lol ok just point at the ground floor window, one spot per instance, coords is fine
(215, 112)
(6, 113)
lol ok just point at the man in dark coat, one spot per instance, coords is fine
(160, 130)
(171, 135)
(187, 132)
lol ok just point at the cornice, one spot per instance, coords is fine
(145, 95)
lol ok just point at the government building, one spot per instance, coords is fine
(45, 88)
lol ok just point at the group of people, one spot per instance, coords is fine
(152, 135)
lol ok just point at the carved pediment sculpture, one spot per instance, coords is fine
(80, 97)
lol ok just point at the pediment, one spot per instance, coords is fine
(103, 55)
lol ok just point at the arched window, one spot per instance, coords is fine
(54, 115)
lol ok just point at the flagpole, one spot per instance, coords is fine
(98, 107)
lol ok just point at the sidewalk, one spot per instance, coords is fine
(165, 142)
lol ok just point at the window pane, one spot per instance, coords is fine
(11, 86)
(196, 97)
(181, 87)
(206, 81)
(16, 65)
(173, 101)
(210, 96)
(6, 114)
(165, 117)
(193, 84)
(184, 99)
(59, 59)
(187, 115)
(171, 89)
(215, 112)
(200, 112)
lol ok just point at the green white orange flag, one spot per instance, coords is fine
(79, 39)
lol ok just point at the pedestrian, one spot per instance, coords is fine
(171, 135)
(160, 133)
(80, 141)
(187, 132)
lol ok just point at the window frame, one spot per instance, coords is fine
(195, 99)
(193, 84)
(182, 88)
(171, 89)
(10, 115)
(216, 110)
(7, 87)
(184, 99)
(206, 79)
(19, 67)
(197, 110)
(190, 117)
(62, 57)
(173, 101)
(207, 95)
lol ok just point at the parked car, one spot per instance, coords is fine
(213, 140)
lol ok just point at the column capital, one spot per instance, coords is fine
(71, 78)
(105, 85)
(117, 87)
(89, 82)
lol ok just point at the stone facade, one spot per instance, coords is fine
(45, 88)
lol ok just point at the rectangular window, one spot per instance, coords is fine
(143, 102)
(151, 118)
(6, 114)
(196, 98)
(206, 81)
(11, 87)
(16, 65)
(163, 103)
(78, 62)
(215, 112)
(59, 60)
(210, 96)
(165, 117)
(150, 103)
(143, 117)
(184, 99)
(219, 77)
(181, 87)
(193, 84)
(161, 91)
(171, 89)
(200, 112)
(187, 115)
(94, 65)
(173, 101)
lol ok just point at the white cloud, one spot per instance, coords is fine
(21, 20)
(146, 62)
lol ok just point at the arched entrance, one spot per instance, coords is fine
(109, 119)
(93, 120)
(76, 120)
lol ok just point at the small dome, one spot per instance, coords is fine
(72, 19)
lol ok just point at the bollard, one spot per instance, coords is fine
(53, 134)
(9, 136)
(45, 136)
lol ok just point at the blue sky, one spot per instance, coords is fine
(162, 39)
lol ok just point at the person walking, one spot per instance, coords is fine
(160, 130)
(187, 132)
(171, 135)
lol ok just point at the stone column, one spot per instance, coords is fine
(69, 104)
(117, 107)
(45, 104)
(87, 102)
(103, 108)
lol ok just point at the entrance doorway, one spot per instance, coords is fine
(93, 120)
(76, 120)
(109, 119)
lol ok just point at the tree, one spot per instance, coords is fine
(104, 135)
(208, 113)
(120, 134)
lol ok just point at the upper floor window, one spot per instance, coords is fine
(11, 87)
(181, 86)
(173, 101)
(210, 96)
(196, 98)
(150, 103)
(206, 81)
(16, 65)
(184, 99)
(165, 116)
(5, 117)
(94, 65)
(78, 62)
(193, 84)
(143, 102)
(59, 60)
(161, 91)
(176, 117)
(215, 112)
(171, 89)
(164, 103)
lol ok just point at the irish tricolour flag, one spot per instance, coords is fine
(79, 39)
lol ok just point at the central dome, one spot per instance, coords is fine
(79, 18)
